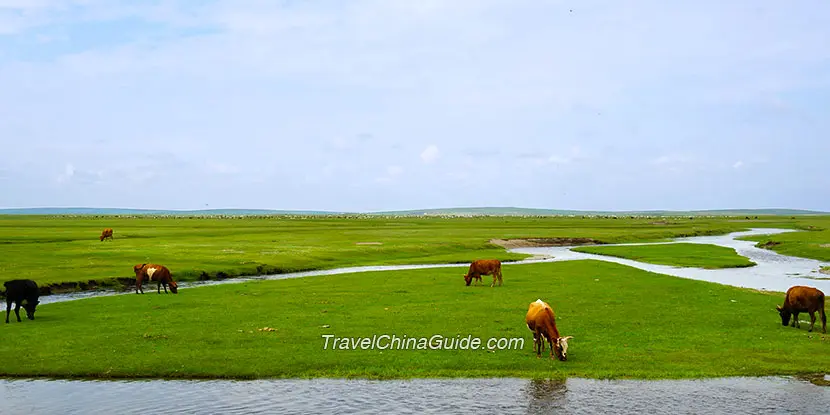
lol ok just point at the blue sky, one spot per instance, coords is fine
(367, 105)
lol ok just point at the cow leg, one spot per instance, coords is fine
(550, 342)
(8, 308)
(164, 284)
(812, 320)
(796, 323)
(158, 287)
(17, 311)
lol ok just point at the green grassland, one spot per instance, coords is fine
(66, 249)
(625, 323)
(676, 254)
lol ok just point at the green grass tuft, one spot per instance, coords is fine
(676, 254)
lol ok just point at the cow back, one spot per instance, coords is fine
(485, 266)
(800, 298)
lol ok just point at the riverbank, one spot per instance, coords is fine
(207, 249)
(815, 243)
(686, 329)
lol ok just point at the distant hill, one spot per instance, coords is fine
(471, 211)
(512, 211)
(118, 211)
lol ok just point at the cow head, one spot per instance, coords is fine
(785, 315)
(30, 308)
(560, 347)
(138, 268)
(102, 237)
(468, 278)
(174, 288)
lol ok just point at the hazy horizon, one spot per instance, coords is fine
(386, 105)
(445, 208)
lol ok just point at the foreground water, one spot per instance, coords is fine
(480, 396)
(726, 395)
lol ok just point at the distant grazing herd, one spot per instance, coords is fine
(540, 318)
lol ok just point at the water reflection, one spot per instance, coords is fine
(545, 395)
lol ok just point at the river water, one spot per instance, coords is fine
(772, 395)
(498, 396)
(773, 272)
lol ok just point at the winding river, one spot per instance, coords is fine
(503, 395)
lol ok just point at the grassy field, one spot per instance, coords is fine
(625, 323)
(678, 254)
(66, 250)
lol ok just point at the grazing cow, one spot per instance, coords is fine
(154, 272)
(542, 323)
(484, 267)
(107, 233)
(801, 299)
(23, 293)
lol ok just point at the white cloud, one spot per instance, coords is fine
(67, 174)
(575, 154)
(558, 160)
(673, 159)
(394, 170)
(222, 168)
(80, 176)
(430, 154)
(738, 164)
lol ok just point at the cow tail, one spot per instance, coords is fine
(821, 309)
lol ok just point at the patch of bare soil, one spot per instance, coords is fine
(825, 245)
(824, 270)
(540, 257)
(368, 243)
(543, 242)
(818, 379)
(768, 244)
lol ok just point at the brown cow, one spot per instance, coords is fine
(107, 233)
(154, 272)
(801, 299)
(484, 267)
(542, 323)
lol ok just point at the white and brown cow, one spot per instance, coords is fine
(154, 272)
(542, 323)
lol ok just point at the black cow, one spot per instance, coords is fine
(18, 291)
